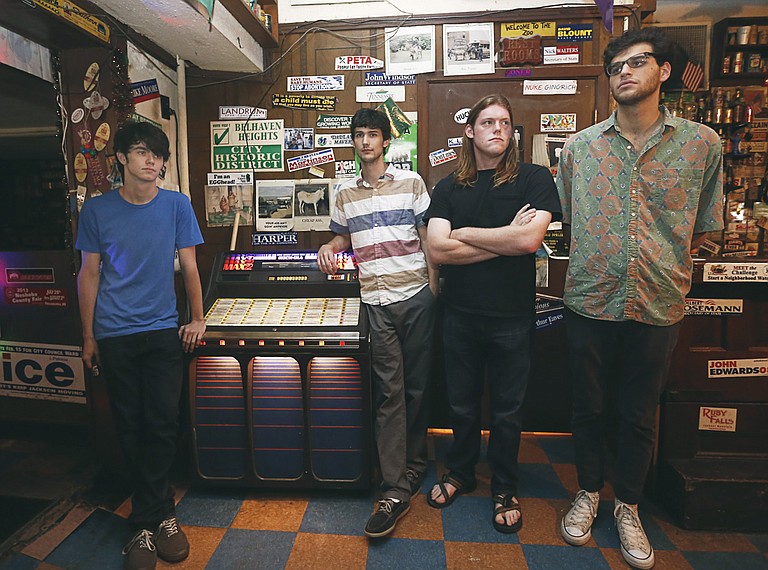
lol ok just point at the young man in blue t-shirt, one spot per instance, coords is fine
(130, 327)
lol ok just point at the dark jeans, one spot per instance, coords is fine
(401, 345)
(143, 372)
(632, 360)
(499, 349)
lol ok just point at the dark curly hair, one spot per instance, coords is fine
(372, 119)
(661, 44)
(135, 132)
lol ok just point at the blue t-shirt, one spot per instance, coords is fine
(137, 245)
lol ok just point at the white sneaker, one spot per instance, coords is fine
(576, 526)
(635, 548)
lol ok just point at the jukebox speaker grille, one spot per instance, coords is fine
(219, 422)
(336, 418)
(278, 417)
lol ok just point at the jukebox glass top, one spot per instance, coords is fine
(296, 312)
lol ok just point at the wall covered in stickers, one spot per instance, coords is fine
(321, 77)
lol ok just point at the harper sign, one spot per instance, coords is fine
(274, 238)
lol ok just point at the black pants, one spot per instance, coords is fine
(499, 349)
(144, 375)
(632, 359)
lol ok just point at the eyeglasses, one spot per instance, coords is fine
(638, 60)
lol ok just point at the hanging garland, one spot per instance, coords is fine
(61, 122)
(121, 86)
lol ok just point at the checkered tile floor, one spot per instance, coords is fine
(254, 529)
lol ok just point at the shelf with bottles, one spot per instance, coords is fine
(258, 18)
(739, 115)
(740, 50)
(745, 187)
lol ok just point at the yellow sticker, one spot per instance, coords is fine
(91, 77)
(81, 167)
(102, 137)
(527, 29)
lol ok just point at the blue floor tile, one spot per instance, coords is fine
(468, 519)
(95, 545)
(604, 527)
(759, 540)
(539, 480)
(210, 508)
(337, 514)
(9, 459)
(404, 554)
(19, 561)
(252, 549)
(581, 558)
(559, 449)
(658, 538)
(726, 560)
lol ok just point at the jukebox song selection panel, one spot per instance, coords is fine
(324, 312)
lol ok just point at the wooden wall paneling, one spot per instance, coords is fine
(759, 340)
(732, 336)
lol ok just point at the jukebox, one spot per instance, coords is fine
(280, 387)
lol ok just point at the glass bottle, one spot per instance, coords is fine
(717, 106)
(738, 107)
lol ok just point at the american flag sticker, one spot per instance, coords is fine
(692, 76)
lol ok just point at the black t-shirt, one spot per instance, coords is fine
(504, 286)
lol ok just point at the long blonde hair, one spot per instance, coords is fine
(508, 167)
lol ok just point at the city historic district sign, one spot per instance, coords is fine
(247, 145)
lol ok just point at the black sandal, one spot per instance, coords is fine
(461, 488)
(505, 504)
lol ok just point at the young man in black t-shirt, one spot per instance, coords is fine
(486, 222)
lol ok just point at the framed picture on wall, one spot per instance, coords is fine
(468, 49)
(410, 50)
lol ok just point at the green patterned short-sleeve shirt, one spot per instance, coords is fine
(633, 217)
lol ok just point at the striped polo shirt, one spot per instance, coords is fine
(382, 223)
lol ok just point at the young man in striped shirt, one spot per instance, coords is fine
(380, 215)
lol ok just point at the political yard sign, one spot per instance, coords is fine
(247, 145)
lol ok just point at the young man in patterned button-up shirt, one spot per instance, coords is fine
(639, 191)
